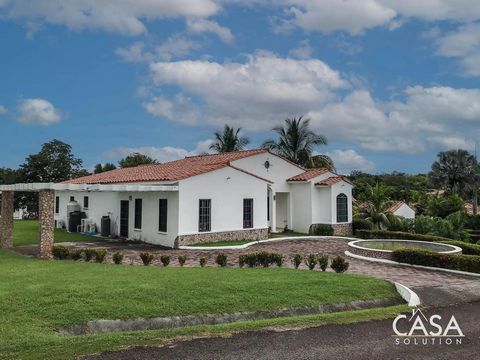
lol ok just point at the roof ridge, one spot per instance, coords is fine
(227, 152)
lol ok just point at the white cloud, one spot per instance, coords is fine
(133, 53)
(38, 112)
(263, 88)
(176, 46)
(203, 25)
(3, 109)
(161, 154)
(117, 16)
(303, 51)
(348, 160)
(464, 44)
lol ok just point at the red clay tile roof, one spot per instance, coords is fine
(171, 171)
(309, 174)
(396, 205)
(332, 180)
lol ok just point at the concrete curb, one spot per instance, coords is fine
(140, 324)
(407, 294)
(430, 268)
(244, 246)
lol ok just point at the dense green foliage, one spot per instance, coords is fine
(136, 159)
(264, 259)
(100, 168)
(321, 230)
(339, 264)
(228, 140)
(470, 263)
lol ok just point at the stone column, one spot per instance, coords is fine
(6, 220)
(46, 209)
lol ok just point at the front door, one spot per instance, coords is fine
(124, 213)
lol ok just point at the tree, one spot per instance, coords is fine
(136, 159)
(100, 168)
(296, 141)
(377, 202)
(54, 163)
(321, 161)
(229, 140)
(457, 172)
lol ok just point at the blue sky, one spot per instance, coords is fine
(389, 82)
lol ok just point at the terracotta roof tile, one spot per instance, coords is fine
(171, 171)
(309, 174)
(332, 180)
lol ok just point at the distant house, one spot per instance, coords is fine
(401, 208)
(237, 195)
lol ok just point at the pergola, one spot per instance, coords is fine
(46, 208)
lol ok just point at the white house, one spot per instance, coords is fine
(228, 196)
(401, 208)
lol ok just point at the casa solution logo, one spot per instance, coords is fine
(417, 329)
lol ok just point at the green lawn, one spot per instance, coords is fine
(286, 234)
(224, 243)
(37, 297)
(25, 232)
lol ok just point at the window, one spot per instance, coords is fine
(204, 215)
(57, 204)
(72, 198)
(138, 214)
(162, 215)
(342, 208)
(247, 213)
(85, 202)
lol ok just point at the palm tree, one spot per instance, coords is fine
(296, 141)
(229, 140)
(377, 203)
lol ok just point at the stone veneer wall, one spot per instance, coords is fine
(251, 234)
(6, 219)
(46, 209)
(342, 229)
(371, 253)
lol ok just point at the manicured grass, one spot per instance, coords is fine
(37, 297)
(286, 234)
(25, 232)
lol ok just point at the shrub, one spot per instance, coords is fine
(203, 261)
(182, 259)
(165, 260)
(263, 259)
(251, 260)
(361, 224)
(470, 263)
(297, 260)
(89, 254)
(100, 255)
(221, 260)
(472, 222)
(118, 257)
(277, 259)
(60, 252)
(323, 262)
(76, 254)
(321, 230)
(339, 264)
(146, 257)
(311, 261)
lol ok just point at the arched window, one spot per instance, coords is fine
(342, 208)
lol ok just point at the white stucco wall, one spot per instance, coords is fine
(321, 205)
(405, 211)
(108, 203)
(226, 188)
(339, 188)
(301, 194)
(280, 170)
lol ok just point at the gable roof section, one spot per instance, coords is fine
(171, 171)
(332, 180)
(309, 174)
(396, 205)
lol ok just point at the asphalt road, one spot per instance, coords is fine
(368, 340)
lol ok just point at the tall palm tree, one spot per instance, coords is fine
(296, 141)
(377, 202)
(229, 140)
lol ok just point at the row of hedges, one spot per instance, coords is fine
(470, 263)
(62, 253)
(264, 259)
(467, 248)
